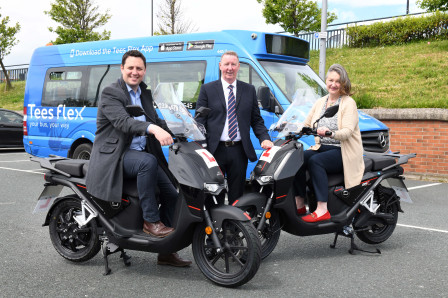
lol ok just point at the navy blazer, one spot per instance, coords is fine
(247, 113)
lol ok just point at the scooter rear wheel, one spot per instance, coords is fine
(239, 259)
(380, 232)
(70, 241)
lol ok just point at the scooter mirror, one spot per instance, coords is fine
(331, 111)
(135, 110)
(202, 112)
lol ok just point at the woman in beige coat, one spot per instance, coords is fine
(341, 152)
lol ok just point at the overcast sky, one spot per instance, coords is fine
(132, 18)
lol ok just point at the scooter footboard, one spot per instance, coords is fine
(223, 212)
(256, 199)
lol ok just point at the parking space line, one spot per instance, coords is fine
(26, 171)
(14, 160)
(422, 228)
(7, 203)
(422, 186)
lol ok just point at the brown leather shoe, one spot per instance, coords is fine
(156, 229)
(172, 260)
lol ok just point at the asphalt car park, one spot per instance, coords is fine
(413, 262)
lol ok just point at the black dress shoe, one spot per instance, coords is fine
(156, 229)
(172, 260)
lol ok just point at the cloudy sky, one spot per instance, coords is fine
(134, 18)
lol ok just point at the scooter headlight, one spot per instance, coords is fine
(263, 180)
(213, 188)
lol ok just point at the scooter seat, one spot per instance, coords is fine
(338, 179)
(130, 187)
(379, 162)
(74, 167)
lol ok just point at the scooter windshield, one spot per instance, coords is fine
(291, 121)
(175, 114)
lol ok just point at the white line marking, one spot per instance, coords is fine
(422, 186)
(8, 203)
(421, 228)
(14, 160)
(26, 171)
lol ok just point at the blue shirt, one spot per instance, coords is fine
(138, 142)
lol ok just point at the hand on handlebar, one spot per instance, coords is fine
(322, 131)
(266, 144)
(161, 135)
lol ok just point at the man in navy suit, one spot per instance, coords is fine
(234, 110)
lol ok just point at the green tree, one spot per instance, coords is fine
(433, 5)
(7, 41)
(78, 19)
(170, 19)
(294, 16)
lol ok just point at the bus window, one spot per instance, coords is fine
(63, 87)
(186, 77)
(248, 74)
(100, 77)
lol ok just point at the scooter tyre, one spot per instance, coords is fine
(71, 242)
(379, 233)
(270, 234)
(223, 268)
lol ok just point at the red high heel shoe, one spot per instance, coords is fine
(301, 211)
(314, 218)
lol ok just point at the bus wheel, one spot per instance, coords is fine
(82, 151)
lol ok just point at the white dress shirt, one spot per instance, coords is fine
(225, 131)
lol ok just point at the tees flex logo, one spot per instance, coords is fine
(61, 111)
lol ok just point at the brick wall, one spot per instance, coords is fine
(429, 139)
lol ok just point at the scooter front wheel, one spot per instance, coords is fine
(270, 233)
(74, 243)
(239, 259)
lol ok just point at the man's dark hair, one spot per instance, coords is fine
(133, 53)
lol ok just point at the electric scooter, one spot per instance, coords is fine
(225, 244)
(368, 210)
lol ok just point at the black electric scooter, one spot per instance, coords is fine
(369, 210)
(224, 243)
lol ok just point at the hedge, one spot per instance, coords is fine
(399, 31)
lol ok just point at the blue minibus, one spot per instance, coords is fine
(64, 83)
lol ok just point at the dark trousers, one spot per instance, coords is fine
(233, 163)
(144, 166)
(328, 159)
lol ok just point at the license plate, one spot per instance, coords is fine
(403, 194)
(400, 189)
(47, 197)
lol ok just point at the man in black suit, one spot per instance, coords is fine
(122, 150)
(234, 110)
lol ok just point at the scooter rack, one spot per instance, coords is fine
(350, 233)
(109, 248)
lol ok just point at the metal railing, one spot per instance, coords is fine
(14, 74)
(338, 37)
(335, 39)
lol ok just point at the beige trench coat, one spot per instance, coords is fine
(348, 134)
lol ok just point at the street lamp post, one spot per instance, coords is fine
(152, 17)
(407, 7)
(323, 41)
